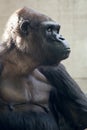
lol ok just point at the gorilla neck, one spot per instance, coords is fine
(17, 64)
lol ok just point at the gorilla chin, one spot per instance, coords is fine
(66, 53)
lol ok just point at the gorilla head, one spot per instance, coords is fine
(36, 36)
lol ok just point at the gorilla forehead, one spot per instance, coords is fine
(32, 15)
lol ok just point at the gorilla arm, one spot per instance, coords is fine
(70, 100)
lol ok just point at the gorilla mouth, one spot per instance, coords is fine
(66, 53)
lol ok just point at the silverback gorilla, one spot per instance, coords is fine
(36, 92)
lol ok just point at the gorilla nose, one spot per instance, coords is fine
(60, 37)
(63, 42)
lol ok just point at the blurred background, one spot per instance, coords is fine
(72, 16)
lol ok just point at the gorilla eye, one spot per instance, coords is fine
(49, 29)
(58, 30)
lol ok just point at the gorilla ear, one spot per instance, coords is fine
(24, 27)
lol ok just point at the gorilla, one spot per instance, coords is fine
(36, 91)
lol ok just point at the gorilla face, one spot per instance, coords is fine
(56, 47)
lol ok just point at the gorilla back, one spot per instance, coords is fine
(30, 40)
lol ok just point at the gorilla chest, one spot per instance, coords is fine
(32, 89)
(39, 90)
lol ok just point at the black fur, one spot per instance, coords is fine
(67, 103)
(66, 97)
(27, 121)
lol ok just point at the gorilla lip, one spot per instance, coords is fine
(66, 53)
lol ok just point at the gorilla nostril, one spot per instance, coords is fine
(61, 38)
